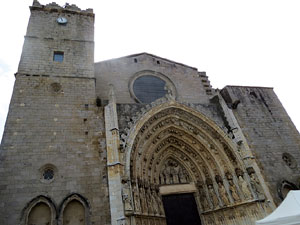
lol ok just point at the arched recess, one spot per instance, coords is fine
(39, 211)
(175, 144)
(74, 210)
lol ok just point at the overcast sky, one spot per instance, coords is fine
(237, 42)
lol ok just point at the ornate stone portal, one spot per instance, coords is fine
(173, 145)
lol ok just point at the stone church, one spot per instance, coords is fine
(138, 140)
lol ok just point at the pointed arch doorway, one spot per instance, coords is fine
(180, 205)
(181, 209)
(173, 145)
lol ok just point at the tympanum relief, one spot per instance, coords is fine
(173, 173)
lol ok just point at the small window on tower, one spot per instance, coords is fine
(58, 56)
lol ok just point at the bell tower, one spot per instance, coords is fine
(59, 42)
(54, 127)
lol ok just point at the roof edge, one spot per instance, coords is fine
(151, 55)
(240, 86)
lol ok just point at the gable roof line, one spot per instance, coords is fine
(238, 86)
(155, 56)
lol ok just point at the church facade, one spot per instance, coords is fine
(138, 140)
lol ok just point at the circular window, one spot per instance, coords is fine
(148, 86)
(289, 160)
(56, 87)
(48, 174)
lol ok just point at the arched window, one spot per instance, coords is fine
(40, 214)
(74, 213)
(39, 211)
(74, 210)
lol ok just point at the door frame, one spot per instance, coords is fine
(173, 189)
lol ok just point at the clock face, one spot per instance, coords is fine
(61, 20)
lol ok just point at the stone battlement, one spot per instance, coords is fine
(67, 8)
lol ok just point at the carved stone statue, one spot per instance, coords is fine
(160, 204)
(182, 176)
(203, 199)
(161, 178)
(127, 197)
(136, 198)
(244, 186)
(149, 201)
(233, 191)
(144, 208)
(167, 175)
(256, 186)
(173, 173)
(213, 196)
(154, 202)
(223, 194)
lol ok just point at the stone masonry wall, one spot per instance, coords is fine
(190, 87)
(44, 36)
(53, 121)
(269, 132)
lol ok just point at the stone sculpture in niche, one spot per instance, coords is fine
(233, 191)
(136, 198)
(153, 201)
(142, 198)
(244, 186)
(257, 188)
(183, 176)
(223, 194)
(126, 195)
(156, 197)
(213, 196)
(203, 198)
(149, 200)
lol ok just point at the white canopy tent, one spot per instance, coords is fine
(287, 213)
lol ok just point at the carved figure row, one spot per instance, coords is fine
(145, 198)
(214, 194)
(242, 214)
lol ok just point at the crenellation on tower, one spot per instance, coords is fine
(72, 8)
(59, 42)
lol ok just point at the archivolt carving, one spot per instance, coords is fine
(175, 146)
(184, 130)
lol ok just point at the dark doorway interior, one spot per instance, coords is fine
(181, 209)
